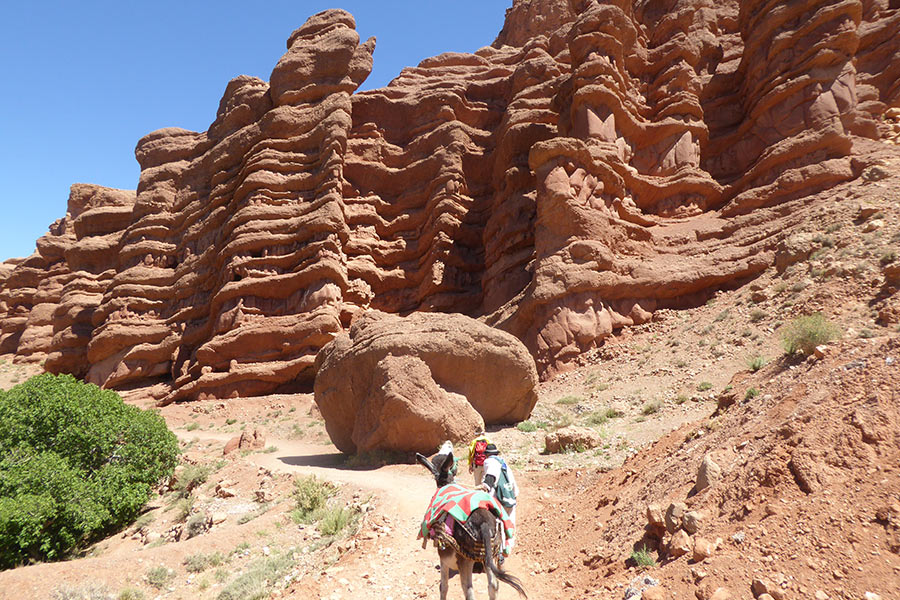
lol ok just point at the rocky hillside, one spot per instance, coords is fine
(599, 162)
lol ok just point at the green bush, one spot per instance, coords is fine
(805, 333)
(77, 462)
(526, 426)
(643, 557)
(334, 520)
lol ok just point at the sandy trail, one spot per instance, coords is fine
(393, 566)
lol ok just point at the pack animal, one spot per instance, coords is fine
(477, 540)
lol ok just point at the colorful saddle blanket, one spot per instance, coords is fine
(458, 502)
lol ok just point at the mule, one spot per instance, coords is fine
(477, 541)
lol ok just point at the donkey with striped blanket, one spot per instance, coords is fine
(468, 527)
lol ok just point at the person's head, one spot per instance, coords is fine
(491, 450)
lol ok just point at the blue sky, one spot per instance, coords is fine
(83, 81)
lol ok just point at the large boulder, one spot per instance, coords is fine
(409, 383)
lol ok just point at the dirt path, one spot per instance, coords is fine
(394, 566)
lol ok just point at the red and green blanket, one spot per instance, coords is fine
(459, 501)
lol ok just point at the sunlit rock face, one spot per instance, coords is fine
(599, 161)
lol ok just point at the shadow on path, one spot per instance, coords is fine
(326, 461)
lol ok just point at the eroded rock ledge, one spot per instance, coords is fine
(593, 165)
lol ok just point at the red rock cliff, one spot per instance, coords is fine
(600, 160)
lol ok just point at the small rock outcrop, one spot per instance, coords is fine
(572, 438)
(249, 439)
(435, 376)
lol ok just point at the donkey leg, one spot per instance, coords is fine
(445, 578)
(493, 584)
(465, 577)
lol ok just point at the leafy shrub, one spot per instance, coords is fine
(527, 426)
(77, 462)
(751, 394)
(704, 386)
(805, 333)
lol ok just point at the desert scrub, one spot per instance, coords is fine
(704, 386)
(526, 426)
(199, 562)
(311, 495)
(568, 400)
(77, 463)
(334, 519)
(257, 582)
(246, 518)
(596, 418)
(192, 477)
(196, 524)
(159, 577)
(805, 333)
(751, 394)
(90, 591)
(756, 363)
(651, 407)
(643, 557)
(601, 417)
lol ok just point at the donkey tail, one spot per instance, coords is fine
(499, 573)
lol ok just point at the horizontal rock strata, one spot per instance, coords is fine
(599, 161)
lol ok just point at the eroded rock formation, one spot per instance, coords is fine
(599, 161)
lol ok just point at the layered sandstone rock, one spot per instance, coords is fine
(599, 161)
(408, 383)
